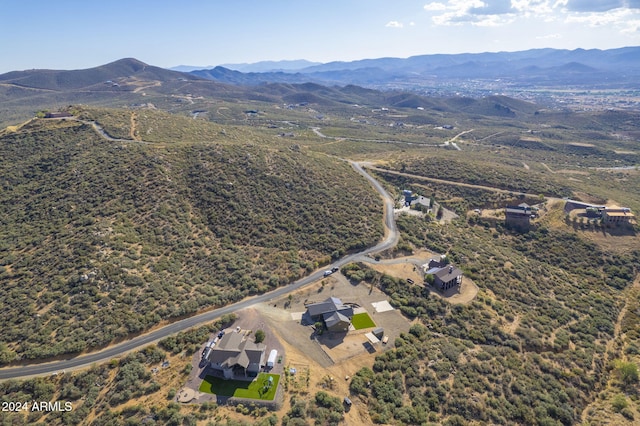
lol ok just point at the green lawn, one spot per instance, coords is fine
(242, 389)
(361, 321)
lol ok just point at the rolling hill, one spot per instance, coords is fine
(108, 74)
(103, 239)
(132, 83)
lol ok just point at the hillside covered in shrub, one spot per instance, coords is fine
(101, 239)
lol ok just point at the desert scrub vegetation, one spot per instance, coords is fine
(101, 389)
(460, 199)
(150, 125)
(502, 176)
(531, 349)
(128, 390)
(101, 240)
(326, 409)
(617, 402)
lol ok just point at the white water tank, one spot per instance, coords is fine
(271, 361)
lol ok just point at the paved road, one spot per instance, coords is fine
(390, 240)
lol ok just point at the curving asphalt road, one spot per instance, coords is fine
(390, 240)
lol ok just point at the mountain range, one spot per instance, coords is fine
(427, 81)
(545, 67)
(130, 82)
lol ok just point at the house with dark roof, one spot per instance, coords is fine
(417, 202)
(60, 114)
(444, 276)
(335, 315)
(234, 356)
(518, 217)
(448, 277)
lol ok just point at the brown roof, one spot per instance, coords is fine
(619, 214)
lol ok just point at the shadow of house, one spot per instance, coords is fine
(334, 315)
(235, 357)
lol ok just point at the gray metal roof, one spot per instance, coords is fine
(335, 318)
(448, 273)
(232, 350)
(332, 304)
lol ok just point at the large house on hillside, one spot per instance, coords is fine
(234, 355)
(444, 276)
(335, 315)
(415, 201)
(617, 215)
(518, 217)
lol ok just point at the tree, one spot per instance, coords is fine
(619, 403)
(627, 372)
(259, 336)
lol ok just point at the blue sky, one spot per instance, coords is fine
(74, 34)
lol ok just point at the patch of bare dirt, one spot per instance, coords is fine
(400, 270)
(340, 357)
(573, 172)
(512, 326)
(411, 267)
(581, 144)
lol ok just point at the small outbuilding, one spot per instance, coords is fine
(378, 332)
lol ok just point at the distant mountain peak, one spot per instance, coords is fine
(132, 64)
(83, 78)
(272, 66)
(131, 61)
